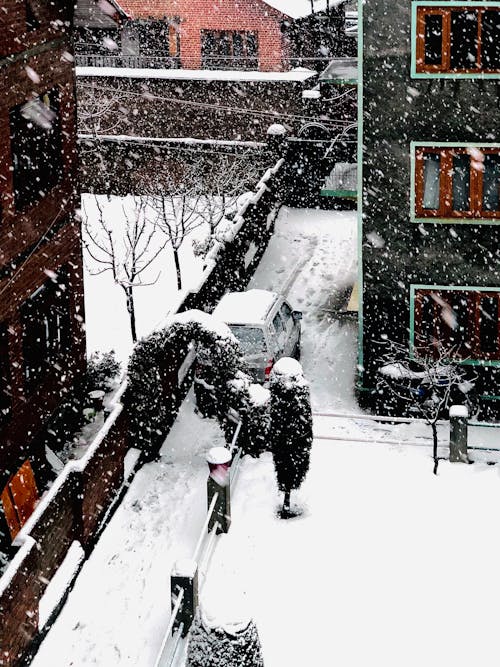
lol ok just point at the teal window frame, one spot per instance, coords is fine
(444, 75)
(414, 145)
(414, 287)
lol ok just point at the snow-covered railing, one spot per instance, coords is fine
(189, 576)
(72, 509)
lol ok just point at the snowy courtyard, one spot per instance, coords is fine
(387, 564)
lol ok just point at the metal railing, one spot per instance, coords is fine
(230, 62)
(173, 641)
(132, 61)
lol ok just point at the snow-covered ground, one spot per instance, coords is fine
(312, 257)
(388, 564)
(107, 322)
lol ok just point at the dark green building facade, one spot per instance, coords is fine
(429, 202)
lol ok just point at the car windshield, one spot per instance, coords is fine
(251, 339)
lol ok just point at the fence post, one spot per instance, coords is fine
(458, 434)
(184, 577)
(219, 460)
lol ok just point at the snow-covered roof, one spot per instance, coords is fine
(297, 9)
(245, 307)
(296, 74)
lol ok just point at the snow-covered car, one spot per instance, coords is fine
(413, 383)
(266, 326)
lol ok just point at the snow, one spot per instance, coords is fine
(227, 612)
(218, 455)
(311, 94)
(297, 9)
(59, 583)
(249, 307)
(259, 395)
(276, 129)
(459, 411)
(311, 260)
(205, 320)
(388, 564)
(185, 567)
(106, 321)
(298, 74)
(288, 367)
(190, 141)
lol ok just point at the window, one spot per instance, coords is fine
(36, 148)
(278, 324)
(46, 329)
(224, 49)
(286, 311)
(465, 320)
(251, 339)
(457, 182)
(457, 39)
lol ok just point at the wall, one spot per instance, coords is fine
(42, 237)
(219, 109)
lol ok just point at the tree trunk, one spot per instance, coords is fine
(177, 268)
(286, 504)
(131, 311)
(435, 446)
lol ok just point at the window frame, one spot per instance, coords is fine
(218, 38)
(37, 153)
(474, 294)
(445, 213)
(418, 68)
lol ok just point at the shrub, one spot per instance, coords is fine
(223, 646)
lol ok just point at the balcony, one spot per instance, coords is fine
(132, 61)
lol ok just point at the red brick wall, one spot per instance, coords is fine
(103, 476)
(252, 15)
(54, 19)
(25, 253)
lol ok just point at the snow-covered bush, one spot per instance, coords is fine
(290, 430)
(152, 373)
(252, 401)
(102, 369)
(225, 645)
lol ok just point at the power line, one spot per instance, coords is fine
(217, 107)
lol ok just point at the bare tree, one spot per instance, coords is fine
(427, 385)
(101, 111)
(222, 187)
(125, 247)
(175, 199)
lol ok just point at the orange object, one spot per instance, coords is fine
(19, 498)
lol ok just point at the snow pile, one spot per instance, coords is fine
(276, 129)
(288, 367)
(206, 321)
(297, 9)
(296, 74)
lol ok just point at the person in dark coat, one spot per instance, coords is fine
(290, 431)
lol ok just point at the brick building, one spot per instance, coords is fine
(266, 35)
(42, 345)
